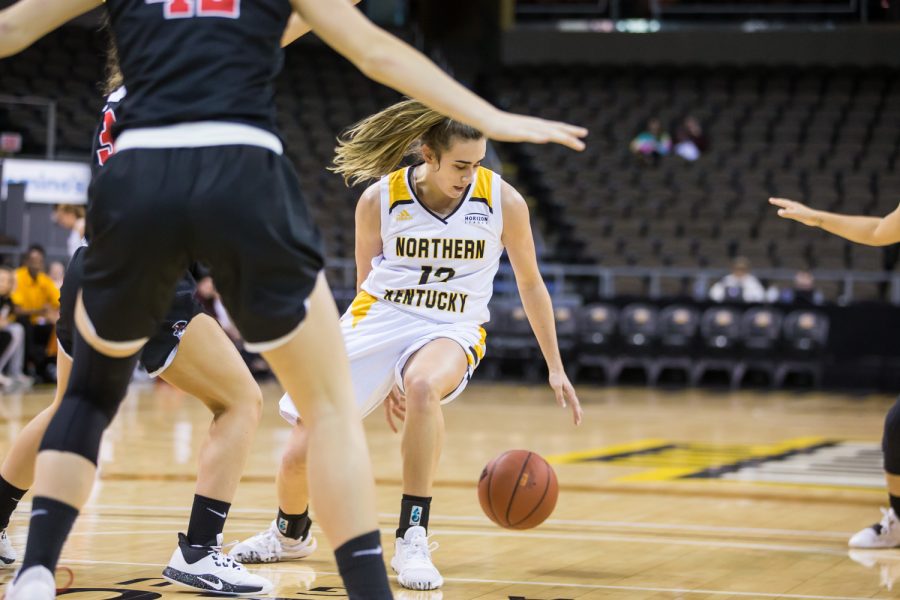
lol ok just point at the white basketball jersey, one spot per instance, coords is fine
(441, 268)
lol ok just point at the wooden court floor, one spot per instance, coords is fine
(687, 495)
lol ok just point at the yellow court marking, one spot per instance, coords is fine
(606, 452)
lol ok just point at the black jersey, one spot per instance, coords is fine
(102, 147)
(198, 60)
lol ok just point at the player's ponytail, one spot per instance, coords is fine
(114, 78)
(378, 144)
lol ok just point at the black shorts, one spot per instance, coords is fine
(237, 209)
(160, 350)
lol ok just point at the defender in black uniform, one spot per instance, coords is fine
(199, 157)
(208, 367)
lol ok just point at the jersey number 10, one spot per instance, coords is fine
(186, 9)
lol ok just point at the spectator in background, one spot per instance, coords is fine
(652, 144)
(57, 272)
(12, 337)
(71, 217)
(36, 300)
(690, 141)
(739, 285)
(803, 291)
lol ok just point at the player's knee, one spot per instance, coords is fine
(421, 393)
(890, 441)
(78, 426)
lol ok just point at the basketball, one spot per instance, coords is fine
(518, 490)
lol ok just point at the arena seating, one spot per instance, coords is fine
(829, 137)
(826, 136)
(730, 345)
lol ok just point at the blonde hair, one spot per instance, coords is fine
(114, 78)
(77, 210)
(378, 144)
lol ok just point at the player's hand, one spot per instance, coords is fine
(395, 406)
(565, 394)
(509, 127)
(789, 209)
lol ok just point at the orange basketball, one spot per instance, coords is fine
(518, 490)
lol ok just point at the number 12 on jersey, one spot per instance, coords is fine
(187, 9)
(444, 274)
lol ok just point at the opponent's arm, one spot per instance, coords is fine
(871, 231)
(368, 232)
(517, 238)
(27, 21)
(389, 61)
(297, 28)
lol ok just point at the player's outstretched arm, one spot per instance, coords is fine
(871, 231)
(297, 28)
(27, 21)
(519, 243)
(388, 60)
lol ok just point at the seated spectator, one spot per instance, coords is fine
(71, 217)
(36, 300)
(12, 338)
(652, 144)
(739, 285)
(690, 142)
(803, 291)
(57, 272)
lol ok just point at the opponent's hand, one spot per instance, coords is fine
(395, 406)
(509, 127)
(565, 394)
(789, 209)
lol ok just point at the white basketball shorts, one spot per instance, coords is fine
(381, 339)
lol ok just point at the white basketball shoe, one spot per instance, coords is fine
(8, 554)
(208, 569)
(412, 561)
(36, 583)
(271, 546)
(885, 534)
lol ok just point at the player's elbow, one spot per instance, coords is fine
(882, 235)
(378, 62)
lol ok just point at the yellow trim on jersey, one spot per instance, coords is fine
(479, 348)
(399, 192)
(361, 306)
(483, 185)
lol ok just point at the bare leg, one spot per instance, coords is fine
(293, 487)
(314, 370)
(18, 466)
(430, 375)
(209, 367)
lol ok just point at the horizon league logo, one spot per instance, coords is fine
(476, 219)
(125, 594)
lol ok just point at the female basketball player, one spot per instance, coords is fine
(871, 231)
(428, 244)
(191, 352)
(198, 155)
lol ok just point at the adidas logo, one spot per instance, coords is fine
(404, 216)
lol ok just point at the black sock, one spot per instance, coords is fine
(361, 565)
(293, 526)
(413, 511)
(9, 500)
(895, 504)
(51, 522)
(207, 520)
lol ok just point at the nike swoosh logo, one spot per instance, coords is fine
(16, 499)
(367, 552)
(38, 513)
(217, 585)
(217, 513)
